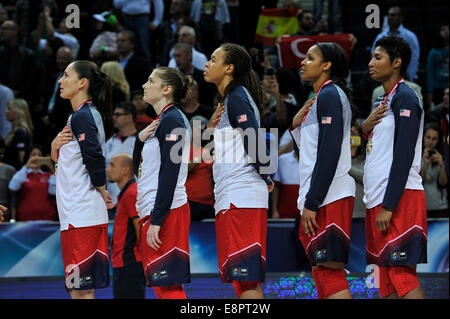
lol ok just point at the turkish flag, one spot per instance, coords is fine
(292, 49)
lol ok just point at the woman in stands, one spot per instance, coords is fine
(161, 157)
(241, 185)
(321, 130)
(81, 195)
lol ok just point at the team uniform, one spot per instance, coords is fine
(162, 199)
(241, 195)
(396, 143)
(325, 184)
(128, 275)
(82, 211)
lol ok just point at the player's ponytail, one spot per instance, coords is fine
(333, 52)
(99, 90)
(243, 74)
(179, 82)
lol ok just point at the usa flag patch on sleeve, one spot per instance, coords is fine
(326, 120)
(242, 118)
(81, 137)
(171, 137)
(405, 112)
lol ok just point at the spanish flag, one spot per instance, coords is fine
(273, 23)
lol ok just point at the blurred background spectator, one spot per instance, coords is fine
(34, 183)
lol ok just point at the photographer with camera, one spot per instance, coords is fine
(433, 172)
(34, 183)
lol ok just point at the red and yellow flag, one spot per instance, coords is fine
(273, 23)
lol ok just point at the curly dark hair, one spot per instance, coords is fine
(396, 48)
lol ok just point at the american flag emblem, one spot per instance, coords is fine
(81, 137)
(326, 120)
(242, 118)
(405, 112)
(171, 137)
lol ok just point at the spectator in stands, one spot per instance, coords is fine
(119, 83)
(137, 19)
(128, 273)
(35, 183)
(193, 109)
(357, 170)
(124, 117)
(187, 35)
(51, 111)
(182, 54)
(287, 184)
(6, 173)
(6, 94)
(199, 183)
(395, 20)
(276, 113)
(167, 30)
(305, 23)
(439, 114)
(333, 7)
(63, 33)
(437, 68)
(210, 16)
(135, 66)
(17, 65)
(104, 46)
(20, 136)
(434, 175)
(142, 110)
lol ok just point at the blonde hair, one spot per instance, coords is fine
(116, 75)
(22, 118)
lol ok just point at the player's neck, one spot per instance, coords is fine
(389, 83)
(77, 100)
(321, 80)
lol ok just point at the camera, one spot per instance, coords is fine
(431, 152)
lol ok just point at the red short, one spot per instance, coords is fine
(332, 239)
(241, 244)
(397, 279)
(405, 241)
(85, 257)
(169, 265)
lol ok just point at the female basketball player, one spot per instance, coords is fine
(327, 191)
(241, 187)
(161, 155)
(396, 220)
(81, 195)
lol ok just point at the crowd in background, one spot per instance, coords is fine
(127, 39)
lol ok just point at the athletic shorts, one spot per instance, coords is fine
(332, 239)
(241, 244)
(405, 241)
(169, 265)
(85, 257)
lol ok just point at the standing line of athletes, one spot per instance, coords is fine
(396, 228)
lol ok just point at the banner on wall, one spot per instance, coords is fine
(33, 249)
(292, 49)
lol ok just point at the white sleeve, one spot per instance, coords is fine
(296, 133)
(18, 179)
